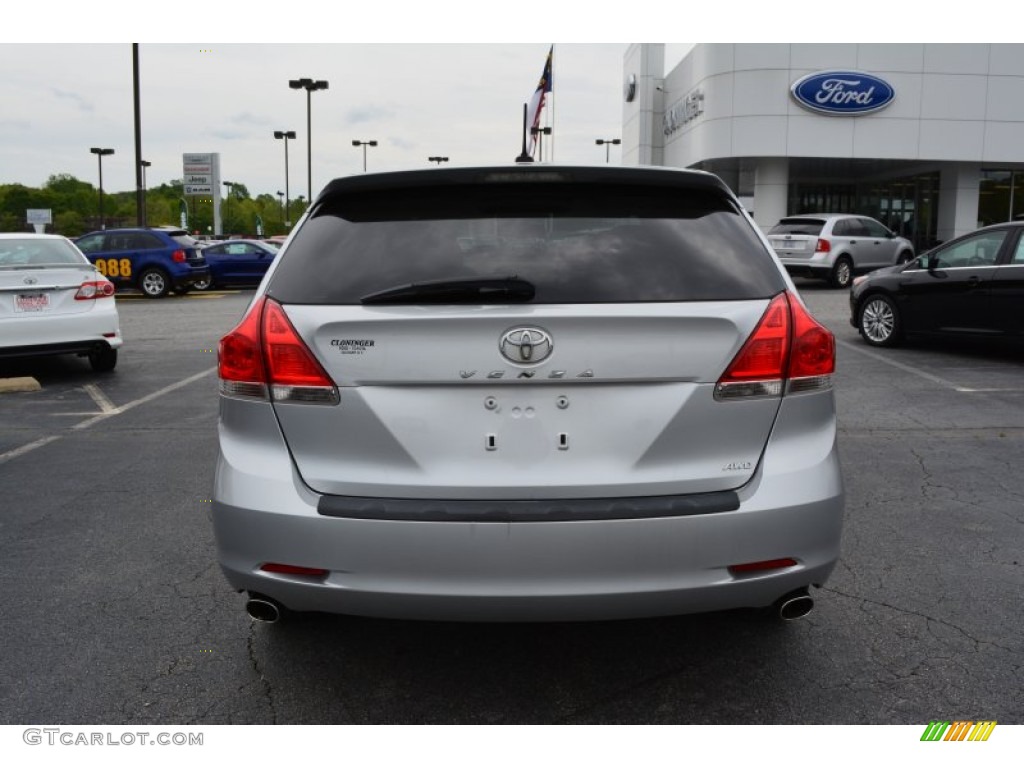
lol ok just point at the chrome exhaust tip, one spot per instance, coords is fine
(794, 605)
(263, 609)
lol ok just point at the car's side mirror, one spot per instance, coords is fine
(933, 263)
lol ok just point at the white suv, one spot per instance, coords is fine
(834, 247)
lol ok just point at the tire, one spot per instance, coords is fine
(842, 273)
(203, 285)
(104, 360)
(904, 257)
(879, 321)
(154, 283)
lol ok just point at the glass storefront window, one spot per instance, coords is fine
(908, 205)
(1000, 197)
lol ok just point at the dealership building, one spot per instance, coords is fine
(926, 138)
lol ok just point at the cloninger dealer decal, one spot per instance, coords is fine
(352, 346)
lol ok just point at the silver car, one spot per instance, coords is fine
(53, 301)
(834, 246)
(518, 394)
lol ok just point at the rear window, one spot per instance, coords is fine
(33, 252)
(594, 243)
(810, 227)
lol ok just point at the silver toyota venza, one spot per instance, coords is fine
(527, 393)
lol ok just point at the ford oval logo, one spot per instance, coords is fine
(526, 346)
(842, 92)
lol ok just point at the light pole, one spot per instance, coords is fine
(364, 145)
(280, 195)
(540, 133)
(285, 135)
(437, 159)
(310, 85)
(99, 152)
(607, 147)
(144, 164)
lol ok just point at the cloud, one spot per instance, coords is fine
(368, 114)
(248, 118)
(229, 135)
(402, 143)
(82, 104)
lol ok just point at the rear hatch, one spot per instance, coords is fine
(193, 251)
(526, 335)
(796, 237)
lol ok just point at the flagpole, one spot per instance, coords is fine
(552, 159)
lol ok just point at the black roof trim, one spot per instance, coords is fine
(574, 174)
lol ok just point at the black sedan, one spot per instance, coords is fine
(973, 285)
(237, 262)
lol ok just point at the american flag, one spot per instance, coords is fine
(538, 100)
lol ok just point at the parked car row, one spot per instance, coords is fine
(158, 260)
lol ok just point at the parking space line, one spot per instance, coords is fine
(142, 400)
(99, 398)
(16, 452)
(26, 448)
(918, 372)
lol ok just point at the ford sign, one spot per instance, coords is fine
(842, 93)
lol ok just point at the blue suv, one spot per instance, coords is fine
(153, 259)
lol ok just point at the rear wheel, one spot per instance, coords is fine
(104, 360)
(154, 283)
(879, 321)
(203, 285)
(904, 257)
(842, 273)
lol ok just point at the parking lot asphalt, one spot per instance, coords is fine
(115, 611)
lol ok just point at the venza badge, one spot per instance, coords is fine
(843, 92)
(526, 346)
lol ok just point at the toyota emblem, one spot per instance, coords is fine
(526, 346)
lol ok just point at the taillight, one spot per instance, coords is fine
(787, 344)
(94, 289)
(240, 359)
(265, 354)
(823, 246)
(812, 357)
(178, 256)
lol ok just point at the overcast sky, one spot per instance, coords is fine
(463, 101)
(415, 98)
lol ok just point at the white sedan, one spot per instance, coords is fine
(53, 301)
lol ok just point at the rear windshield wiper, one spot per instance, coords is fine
(466, 290)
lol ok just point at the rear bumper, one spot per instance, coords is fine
(185, 278)
(57, 334)
(560, 570)
(817, 265)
